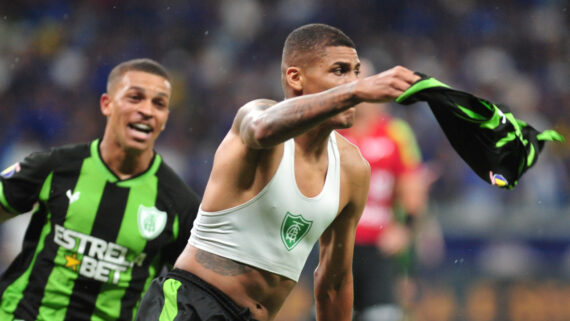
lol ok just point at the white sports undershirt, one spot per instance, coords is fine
(277, 229)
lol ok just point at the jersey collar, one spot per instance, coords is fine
(111, 176)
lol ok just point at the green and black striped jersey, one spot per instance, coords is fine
(94, 242)
(497, 146)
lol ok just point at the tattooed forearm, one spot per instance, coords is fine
(221, 265)
(264, 123)
(311, 109)
(294, 116)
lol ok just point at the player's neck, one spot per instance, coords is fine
(313, 142)
(125, 164)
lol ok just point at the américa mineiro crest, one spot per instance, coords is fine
(150, 221)
(293, 229)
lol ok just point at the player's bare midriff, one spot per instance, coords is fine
(260, 291)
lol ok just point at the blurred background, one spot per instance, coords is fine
(486, 254)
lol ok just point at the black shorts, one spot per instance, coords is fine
(182, 296)
(374, 275)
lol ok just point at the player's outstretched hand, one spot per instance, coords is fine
(385, 86)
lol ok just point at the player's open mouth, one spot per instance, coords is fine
(141, 128)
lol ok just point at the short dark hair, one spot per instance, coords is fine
(139, 64)
(312, 38)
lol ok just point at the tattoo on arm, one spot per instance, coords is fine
(303, 113)
(290, 117)
(220, 264)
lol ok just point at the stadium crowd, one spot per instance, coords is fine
(55, 56)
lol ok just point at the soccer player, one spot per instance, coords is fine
(398, 185)
(282, 178)
(107, 215)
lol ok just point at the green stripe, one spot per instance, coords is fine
(465, 118)
(79, 218)
(176, 227)
(473, 115)
(521, 123)
(152, 271)
(550, 135)
(150, 173)
(170, 309)
(81, 214)
(14, 293)
(487, 104)
(531, 156)
(419, 86)
(98, 162)
(516, 124)
(5, 202)
(494, 121)
(510, 137)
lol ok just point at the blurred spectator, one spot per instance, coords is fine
(217, 46)
(397, 200)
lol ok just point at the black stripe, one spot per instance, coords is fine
(134, 291)
(63, 179)
(140, 273)
(152, 249)
(106, 226)
(27, 307)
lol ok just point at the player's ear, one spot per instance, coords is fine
(104, 104)
(294, 78)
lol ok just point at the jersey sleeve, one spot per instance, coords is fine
(21, 183)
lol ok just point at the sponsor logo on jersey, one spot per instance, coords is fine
(498, 179)
(151, 221)
(293, 229)
(10, 171)
(93, 257)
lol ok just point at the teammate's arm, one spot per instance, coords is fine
(333, 276)
(5, 213)
(22, 182)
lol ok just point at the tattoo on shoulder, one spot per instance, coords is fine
(220, 264)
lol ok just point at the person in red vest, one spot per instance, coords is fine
(398, 194)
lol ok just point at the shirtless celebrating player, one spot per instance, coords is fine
(282, 179)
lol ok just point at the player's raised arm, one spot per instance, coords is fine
(263, 127)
